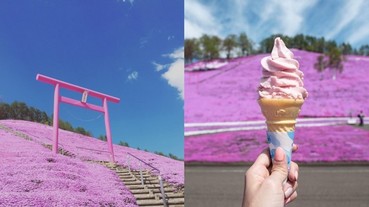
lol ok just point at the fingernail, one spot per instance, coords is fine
(296, 174)
(279, 155)
(288, 193)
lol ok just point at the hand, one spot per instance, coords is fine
(267, 184)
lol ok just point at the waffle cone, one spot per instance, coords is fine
(280, 114)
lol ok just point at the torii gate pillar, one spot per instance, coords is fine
(85, 92)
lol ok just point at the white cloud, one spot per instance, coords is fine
(340, 20)
(177, 54)
(143, 41)
(159, 67)
(349, 12)
(175, 73)
(199, 20)
(221, 19)
(360, 34)
(175, 76)
(130, 1)
(133, 76)
(289, 14)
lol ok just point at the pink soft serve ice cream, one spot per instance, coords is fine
(281, 77)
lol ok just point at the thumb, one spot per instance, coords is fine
(279, 169)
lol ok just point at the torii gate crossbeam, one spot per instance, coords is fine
(85, 92)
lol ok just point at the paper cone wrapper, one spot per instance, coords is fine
(280, 117)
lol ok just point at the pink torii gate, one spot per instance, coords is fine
(85, 92)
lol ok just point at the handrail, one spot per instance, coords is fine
(145, 162)
(164, 197)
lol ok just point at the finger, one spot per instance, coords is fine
(263, 159)
(293, 172)
(279, 169)
(289, 188)
(292, 198)
(295, 147)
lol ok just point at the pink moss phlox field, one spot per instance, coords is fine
(230, 94)
(316, 144)
(87, 148)
(31, 175)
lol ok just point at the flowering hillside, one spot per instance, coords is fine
(219, 103)
(229, 93)
(32, 176)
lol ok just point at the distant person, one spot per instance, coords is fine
(269, 183)
(361, 118)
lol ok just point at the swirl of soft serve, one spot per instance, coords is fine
(281, 75)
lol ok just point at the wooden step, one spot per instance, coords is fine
(151, 178)
(135, 187)
(128, 183)
(176, 201)
(152, 182)
(144, 196)
(127, 179)
(166, 190)
(139, 191)
(150, 186)
(171, 195)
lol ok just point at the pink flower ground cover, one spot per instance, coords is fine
(316, 144)
(87, 148)
(31, 175)
(230, 93)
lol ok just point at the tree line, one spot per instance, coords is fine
(332, 54)
(209, 47)
(20, 111)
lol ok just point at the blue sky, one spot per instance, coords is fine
(131, 49)
(340, 20)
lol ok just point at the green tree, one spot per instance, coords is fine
(4, 110)
(299, 42)
(346, 48)
(320, 64)
(229, 43)
(173, 156)
(44, 118)
(159, 153)
(192, 50)
(122, 143)
(65, 125)
(81, 130)
(364, 50)
(335, 61)
(102, 138)
(211, 47)
(20, 111)
(320, 45)
(245, 44)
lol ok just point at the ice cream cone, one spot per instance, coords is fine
(280, 117)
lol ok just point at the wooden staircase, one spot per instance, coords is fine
(149, 193)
